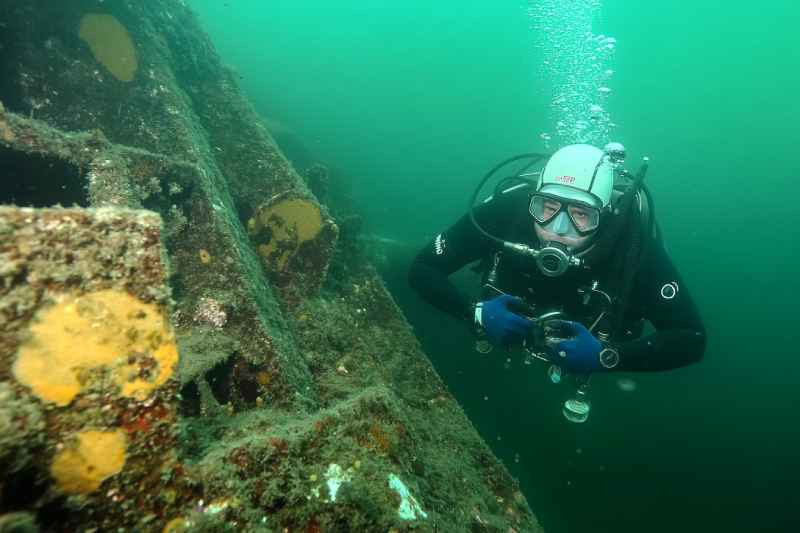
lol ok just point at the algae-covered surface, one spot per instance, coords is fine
(299, 400)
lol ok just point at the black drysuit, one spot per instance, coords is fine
(680, 337)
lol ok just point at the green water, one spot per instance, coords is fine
(418, 99)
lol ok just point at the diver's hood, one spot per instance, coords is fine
(580, 172)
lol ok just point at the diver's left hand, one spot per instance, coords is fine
(580, 351)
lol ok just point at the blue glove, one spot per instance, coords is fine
(501, 324)
(580, 351)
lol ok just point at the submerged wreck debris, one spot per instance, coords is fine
(197, 348)
(317, 180)
(294, 240)
(21, 426)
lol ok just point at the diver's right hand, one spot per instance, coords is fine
(501, 324)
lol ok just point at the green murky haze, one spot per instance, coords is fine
(418, 99)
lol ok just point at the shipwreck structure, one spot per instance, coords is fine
(190, 336)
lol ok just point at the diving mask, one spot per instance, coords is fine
(564, 217)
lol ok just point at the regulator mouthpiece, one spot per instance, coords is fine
(553, 260)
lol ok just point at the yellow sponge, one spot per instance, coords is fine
(110, 44)
(290, 223)
(92, 457)
(107, 336)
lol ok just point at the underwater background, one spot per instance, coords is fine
(417, 100)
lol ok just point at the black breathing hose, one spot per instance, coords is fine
(625, 265)
(508, 181)
(609, 238)
(536, 158)
(516, 176)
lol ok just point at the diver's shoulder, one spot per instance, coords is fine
(656, 259)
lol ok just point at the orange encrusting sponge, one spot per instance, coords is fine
(104, 335)
(83, 464)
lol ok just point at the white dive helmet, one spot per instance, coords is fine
(579, 172)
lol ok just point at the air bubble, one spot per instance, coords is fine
(574, 69)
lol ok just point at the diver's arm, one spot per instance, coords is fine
(429, 270)
(681, 336)
(455, 248)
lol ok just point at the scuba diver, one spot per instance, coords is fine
(573, 265)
